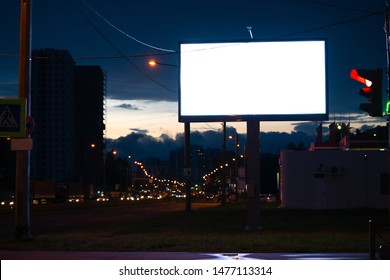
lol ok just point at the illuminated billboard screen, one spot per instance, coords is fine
(244, 81)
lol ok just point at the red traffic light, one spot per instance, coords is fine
(354, 75)
(372, 79)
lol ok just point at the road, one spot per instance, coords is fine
(57, 218)
(92, 255)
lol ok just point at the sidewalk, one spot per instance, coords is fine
(89, 255)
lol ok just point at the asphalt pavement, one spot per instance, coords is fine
(89, 255)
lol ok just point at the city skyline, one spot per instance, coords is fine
(121, 37)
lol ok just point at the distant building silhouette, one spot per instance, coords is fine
(89, 124)
(52, 107)
(67, 104)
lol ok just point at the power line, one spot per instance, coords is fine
(336, 6)
(93, 57)
(123, 55)
(330, 25)
(9, 55)
(123, 32)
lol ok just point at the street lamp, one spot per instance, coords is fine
(154, 63)
(235, 168)
(187, 144)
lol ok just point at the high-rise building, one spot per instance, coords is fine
(89, 124)
(52, 107)
(67, 105)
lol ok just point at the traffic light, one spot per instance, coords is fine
(372, 79)
(388, 107)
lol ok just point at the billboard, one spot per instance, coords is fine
(253, 80)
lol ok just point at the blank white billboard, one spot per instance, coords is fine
(241, 81)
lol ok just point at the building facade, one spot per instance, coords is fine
(52, 107)
(67, 105)
(89, 125)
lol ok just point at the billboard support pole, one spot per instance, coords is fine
(253, 176)
(187, 164)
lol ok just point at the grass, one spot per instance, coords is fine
(221, 229)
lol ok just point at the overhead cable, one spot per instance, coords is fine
(331, 25)
(123, 32)
(123, 55)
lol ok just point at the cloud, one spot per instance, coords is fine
(127, 106)
(273, 142)
(139, 90)
(140, 145)
(307, 127)
(357, 121)
(139, 130)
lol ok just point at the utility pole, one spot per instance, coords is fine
(387, 33)
(22, 182)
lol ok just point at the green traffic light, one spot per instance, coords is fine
(388, 107)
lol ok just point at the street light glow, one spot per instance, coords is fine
(152, 62)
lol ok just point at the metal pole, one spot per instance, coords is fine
(387, 33)
(235, 173)
(22, 182)
(371, 237)
(223, 194)
(253, 176)
(187, 164)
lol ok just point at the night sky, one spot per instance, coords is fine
(143, 100)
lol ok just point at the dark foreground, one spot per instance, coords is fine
(163, 229)
(69, 255)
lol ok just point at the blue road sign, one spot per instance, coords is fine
(12, 117)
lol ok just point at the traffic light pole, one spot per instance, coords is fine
(387, 33)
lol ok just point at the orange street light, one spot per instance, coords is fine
(154, 62)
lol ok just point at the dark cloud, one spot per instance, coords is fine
(366, 127)
(144, 90)
(140, 145)
(139, 130)
(273, 142)
(127, 106)
(358, 121)
(307, 127)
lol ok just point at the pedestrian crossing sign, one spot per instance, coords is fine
(12, 117)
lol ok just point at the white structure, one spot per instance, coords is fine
(334, 179)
